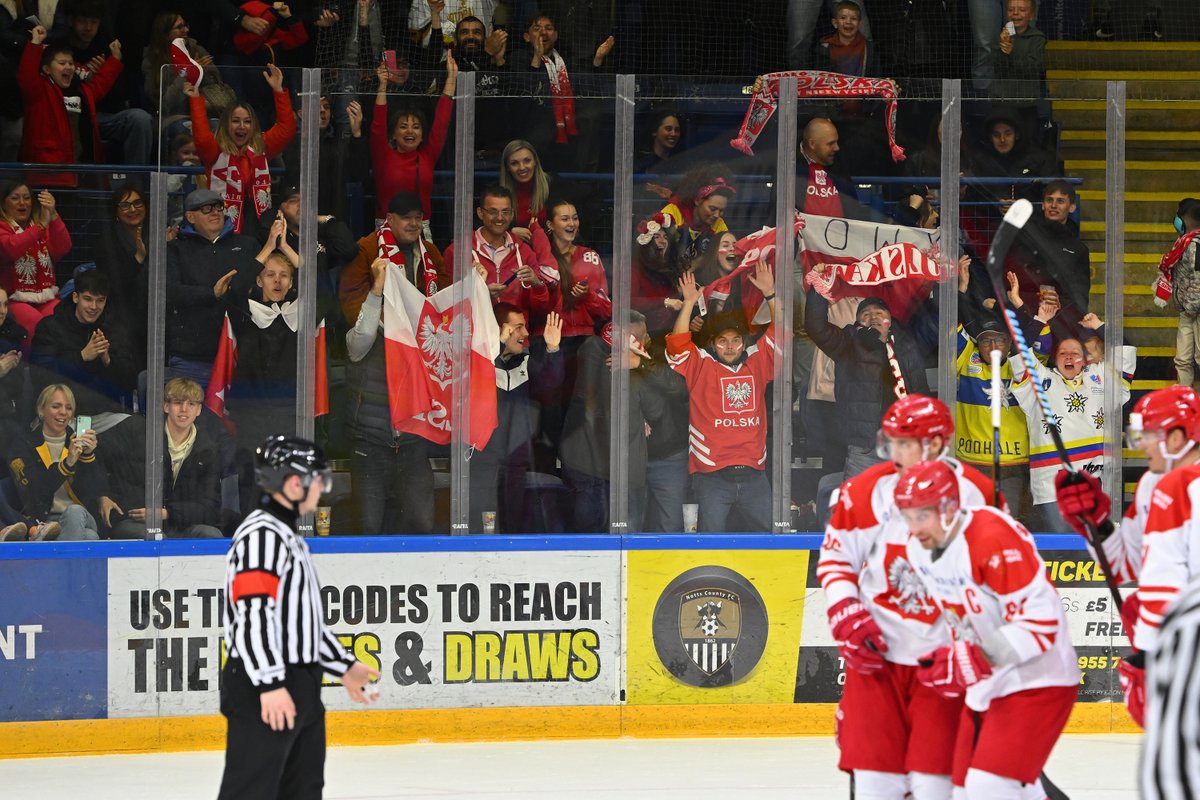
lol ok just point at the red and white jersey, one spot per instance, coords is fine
(991, 584)
(1124, 546)
(580, 314)
(727, 421)
(1170, 550)
(865, 555)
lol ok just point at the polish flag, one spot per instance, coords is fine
(221, 377)
(321, 398)
(421, 369)
(184, 65)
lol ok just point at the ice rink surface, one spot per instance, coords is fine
(1095, 767)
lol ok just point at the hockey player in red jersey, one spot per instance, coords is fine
(1164, 425)
(896, 736)
(1010, 654)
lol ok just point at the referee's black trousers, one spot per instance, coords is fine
(262, 764)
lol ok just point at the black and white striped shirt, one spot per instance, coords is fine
(273, 601)
(1171, 755)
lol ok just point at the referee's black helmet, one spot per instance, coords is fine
(281, 456)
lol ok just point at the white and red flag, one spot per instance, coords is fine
(221, 377)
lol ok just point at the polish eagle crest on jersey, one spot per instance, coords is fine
(906, 593)
(961, 629)
(710, 625)
(737, 394)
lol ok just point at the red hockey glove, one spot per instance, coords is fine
(858, 637)
(951, 669)
(1082, 501)
(1132, 672)
(1129, 613)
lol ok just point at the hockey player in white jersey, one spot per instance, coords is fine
(896, 736)
(1164, 425)
(1010, 654)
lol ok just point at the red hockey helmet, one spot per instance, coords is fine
(918, 417)
(1164, 409)
(927, 484)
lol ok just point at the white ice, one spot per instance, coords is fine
(1096, 767)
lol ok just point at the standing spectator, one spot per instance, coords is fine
(206, 250)
(801, 20)
(666, 446)
(402, 157)
(55, 470)
(515, 273)
(1151, 24)
(1178, 277)
(486, 54)
(986, 18)
(191, 491)
(817, 191)
(1021, 63)
(728, 415)
(30, 245)
(86, 344)
(717, 262)
(875, 362)
(249, 51)
(123, 127)
(164, 87)
(523, 377)
(335, 247)
(392, 477)
(235, 159)
(583, 280)
(655, 281)
(420, 16)
(1075, 391)
(345, 160)
(477, 50)
(522, 174)
(61, 126)
(846, 50)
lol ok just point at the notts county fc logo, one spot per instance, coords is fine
(710, 627)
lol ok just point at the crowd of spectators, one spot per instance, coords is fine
(215, 94)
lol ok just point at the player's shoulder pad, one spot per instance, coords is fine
(853, 506)
(1003, 555)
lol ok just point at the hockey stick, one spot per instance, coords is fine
(1014, 220)
(997, 396)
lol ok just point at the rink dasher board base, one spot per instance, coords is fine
(117, 646)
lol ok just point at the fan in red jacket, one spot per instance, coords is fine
(285, 31)
(582, 280)
(60, 111)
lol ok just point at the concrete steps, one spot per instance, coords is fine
(1084, 55)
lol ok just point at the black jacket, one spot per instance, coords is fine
(194, 265)
(58, 343)
(12, 385)
(38, 478)
(864, 385)
(191, 498)
(1052, 254)
(522, 383)
(116, 258)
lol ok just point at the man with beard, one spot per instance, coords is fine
(486, 55)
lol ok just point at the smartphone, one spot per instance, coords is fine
(33, 20)
(82, 423)
(389, 61)
(1011, 28)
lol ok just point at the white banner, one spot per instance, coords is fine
(445, 630)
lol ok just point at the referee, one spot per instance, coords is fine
(1171, 755)
(276, 640)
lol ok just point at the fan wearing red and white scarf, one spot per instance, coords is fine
(542, 37)
(428, 278)
(1164, 285)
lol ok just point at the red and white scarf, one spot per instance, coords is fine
(226, 179)
(900, 388)
(33, 271)
(1164, 285)
(814, 83)
(391, 251)
(561, 96)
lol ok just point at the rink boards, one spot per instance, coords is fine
(111, 646)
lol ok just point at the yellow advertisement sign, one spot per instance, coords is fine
(714, 626)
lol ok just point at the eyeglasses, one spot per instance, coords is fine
(209, 208)
(497, 212)
(130, 205)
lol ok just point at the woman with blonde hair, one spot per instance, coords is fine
(522, 174)
(55, 469)
(235, 158)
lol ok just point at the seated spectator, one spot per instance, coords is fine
(164, 87)
(1021, 61)
(124, 245)
(12, 377)
(664, 131)
(655, 280)
(88, 345)
(61, 126)
(344, 161)
(717, 262)
(393, 481)
(191, 487)
(1049, 256)
(531, 186)
(181, 152)
(402, 158)
(235, 159)
(1007, 154)
(1075, 391)
(523, 378)
(1179, 277)
(846, 50)
(583, 280)
(398, 241)
(205, 250)
(124, 128)
(584, 450)
(33, 238)
(515, 273)
(728, 413)
(697, 209)
(875, 361)
(55, 470)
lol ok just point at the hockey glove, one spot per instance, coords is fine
(1129, 613)
(951, 669)
(1132, 672)
(1083, 502)
(859, 639)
